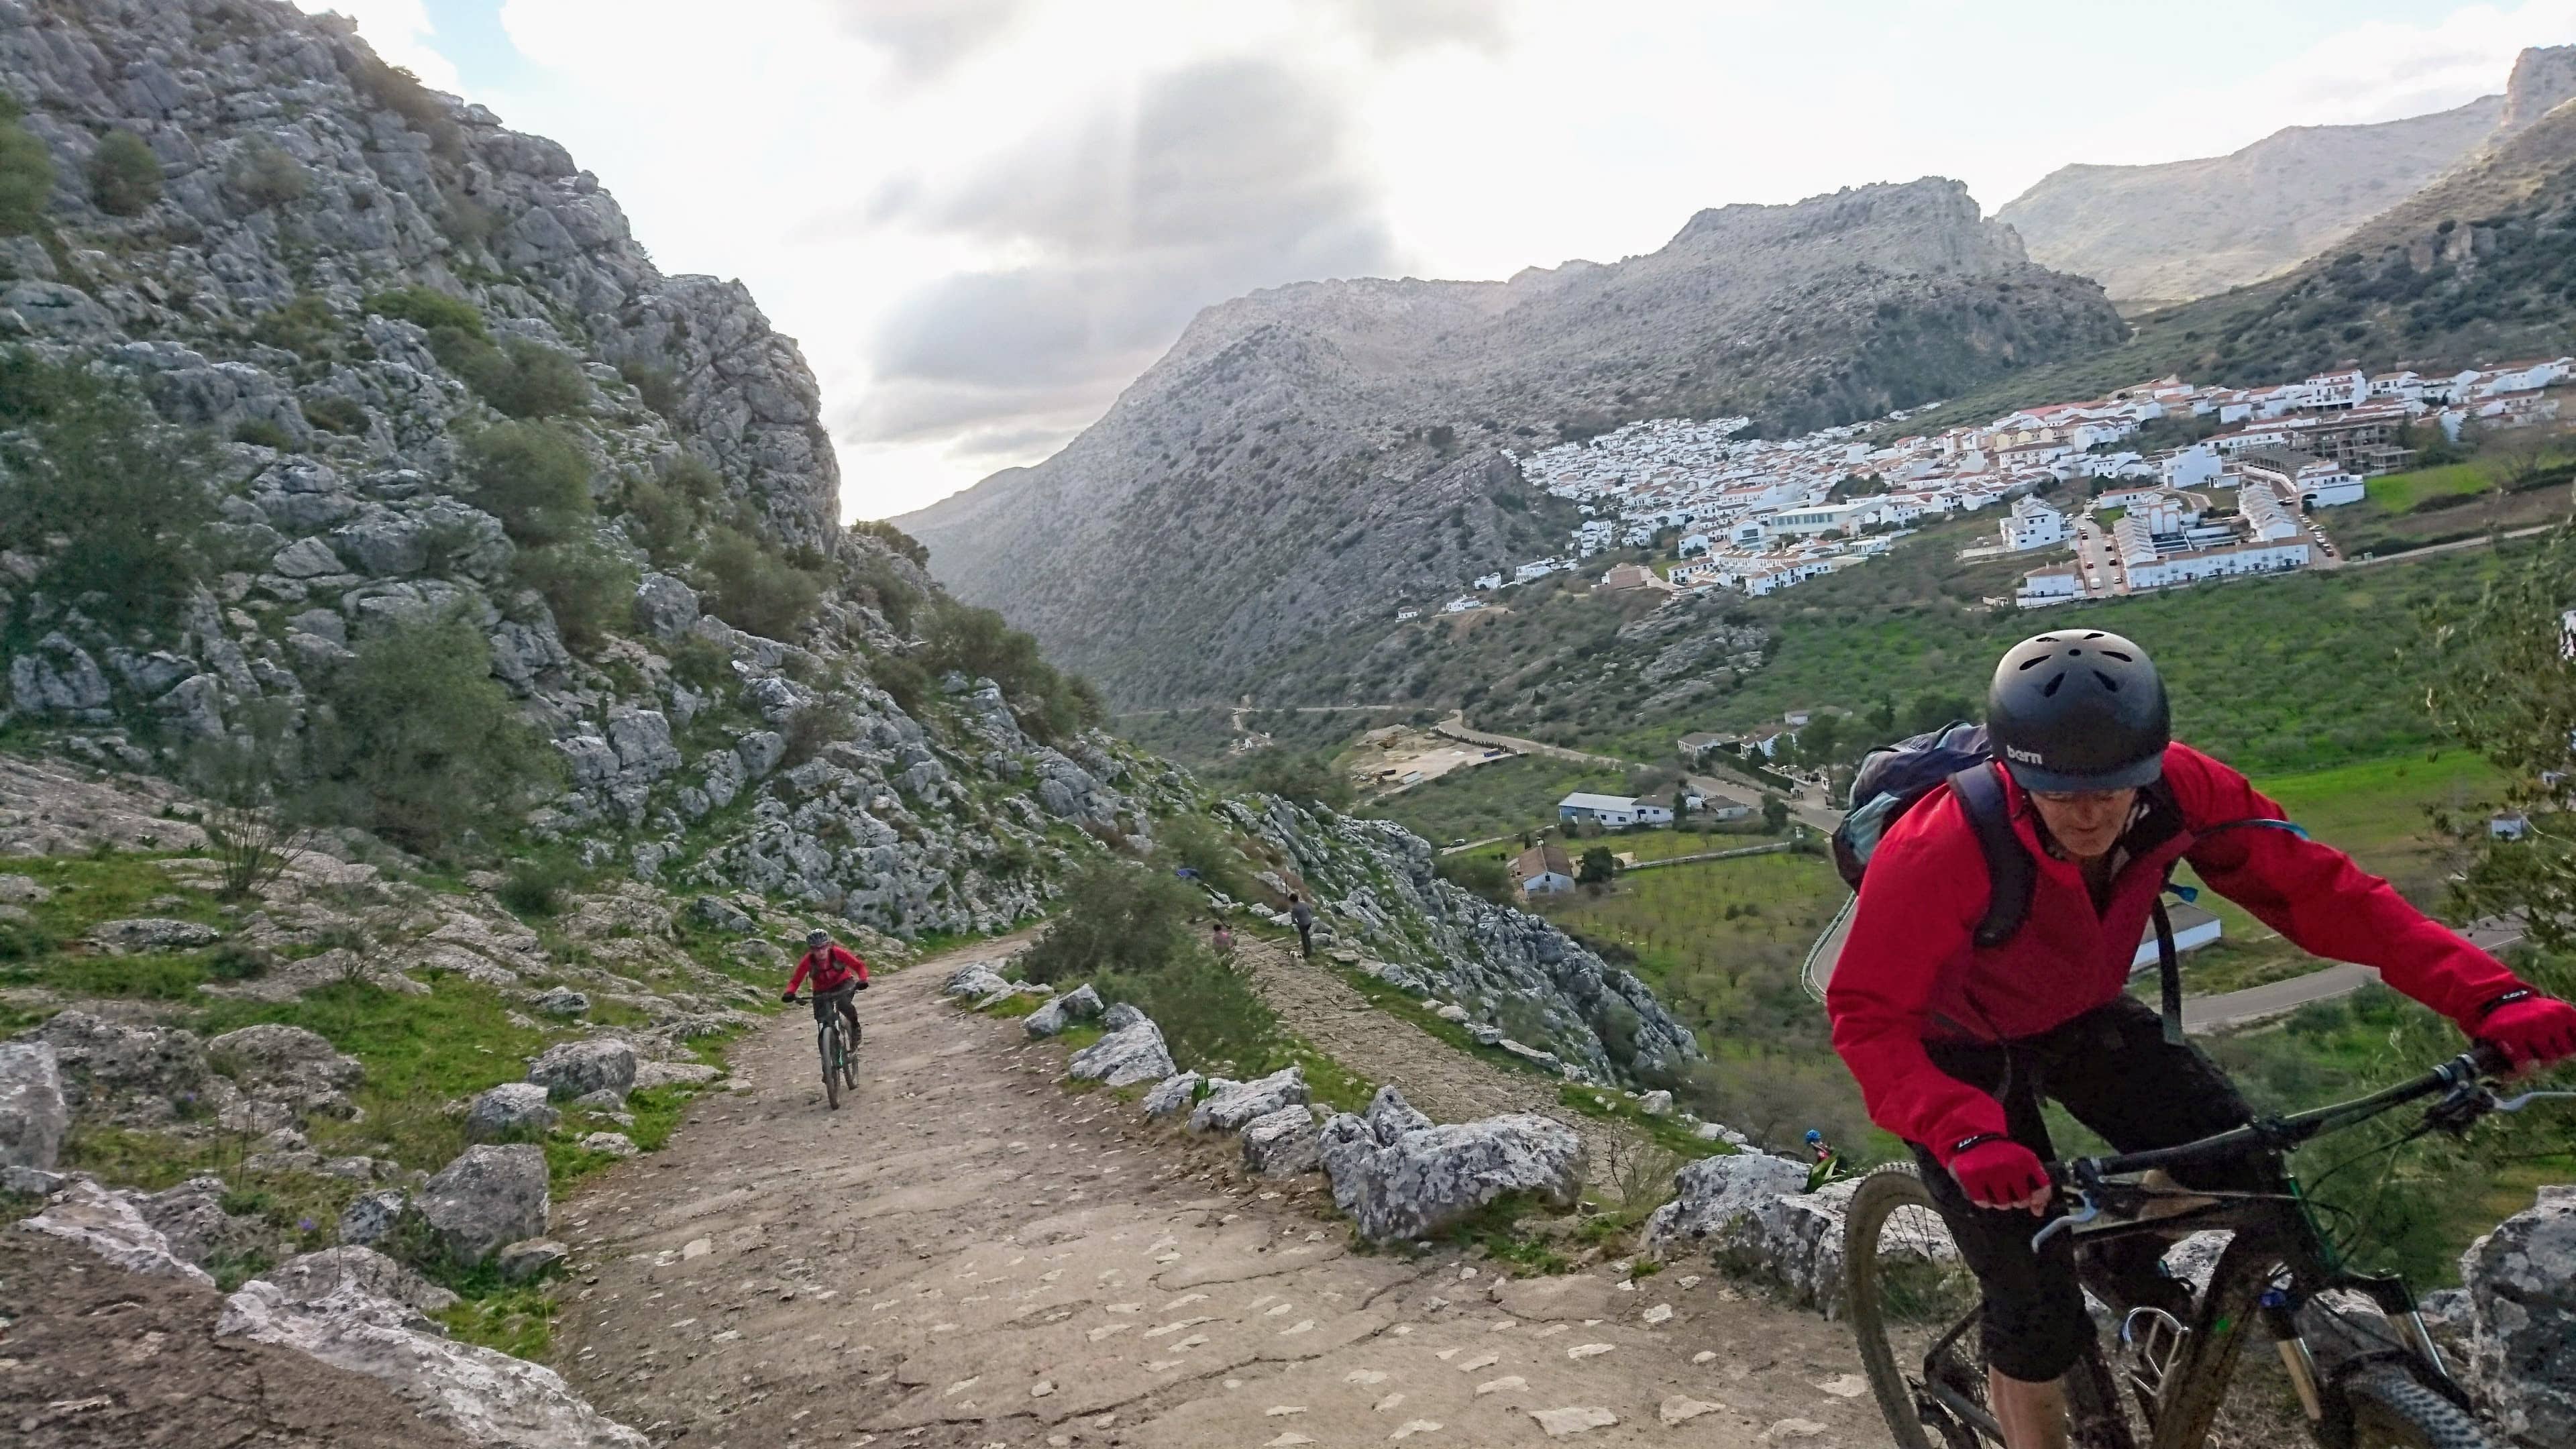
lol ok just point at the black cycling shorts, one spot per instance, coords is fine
(2112, 1069)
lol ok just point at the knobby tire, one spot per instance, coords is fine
(2391, 1410)
(830, 1039)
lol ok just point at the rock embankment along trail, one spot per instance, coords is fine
(968, 1255)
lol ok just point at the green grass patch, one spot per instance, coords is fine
(1010, 1007)
(1394, 1002)
(2400, 492)
(1502, 798)
(517, 1319)
(1495, 1228)
(1611, 1105)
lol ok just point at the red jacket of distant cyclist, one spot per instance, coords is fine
(833, 967)
(1911, 969)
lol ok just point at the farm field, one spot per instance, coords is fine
(1503, 798)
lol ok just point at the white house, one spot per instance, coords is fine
(2043, 587)
(2192, 467)
(1462, 604)
(2315, 482)
(1402, 615)
(2212, 563)
(2032, 524)
(2266, 518)
(1536, 569)
(1724, 807)
(1489, 581)
(1822, 518)
(1543, 870)
(1614, 811)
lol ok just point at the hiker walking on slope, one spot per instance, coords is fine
(1956, 1027)
(1304, 916)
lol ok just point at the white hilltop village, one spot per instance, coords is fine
(1756, 515)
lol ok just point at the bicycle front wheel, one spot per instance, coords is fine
(830, 1039)
(2390, 1410)
(1914, 1305)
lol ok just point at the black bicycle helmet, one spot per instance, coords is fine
(2079, 710)
(817, 938)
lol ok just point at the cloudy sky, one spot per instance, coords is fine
(982, 218)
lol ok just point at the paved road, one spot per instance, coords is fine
(1455, 727)
(2256, 1003)
(2454, 546)
(1810, 806)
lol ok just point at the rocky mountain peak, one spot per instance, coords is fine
(2543, 77)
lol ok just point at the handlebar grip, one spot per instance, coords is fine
(2490, 1059)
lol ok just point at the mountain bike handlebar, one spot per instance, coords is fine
(2280, 1134)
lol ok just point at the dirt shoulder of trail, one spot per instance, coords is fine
(96, 1357)
(970, 1254)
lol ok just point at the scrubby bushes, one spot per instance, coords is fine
(396, 89)
(534, 478)
(655, 386)
(266, 176)
(418, 742)
(753, 589)
(1306, 779)
(429, 309)
(262, 433)
(124, 175)
(96, 469)
(894, 538)
(1477, 871)
(1130, 932)
(586, 585)
(1197, 844)
(520, 378)
(977, 643)
(335, 414)
(663, 513)
(26, 173)
(306, 327)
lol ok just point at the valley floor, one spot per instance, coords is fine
(967, 1255)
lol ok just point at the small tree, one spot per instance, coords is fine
(247, 778)
(26, 173)
(586, 585)
(1599, 866)
(534, 478)
(124, 175)
(1775, 814)
(753, 589)
(266, 176)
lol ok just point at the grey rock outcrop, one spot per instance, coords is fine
(33, 1115)
(532, 1258)
(132, 1075)
(511, 1112)
(151, 933)
(1080, 1004)
(483, 1394)
(665, 607)
(112, 1225)
(1398, 1180)
(289, 1065)
(1128, 1055)
(1750, 1213)
(974, 981)
(1284, 1143)
(578, 1068)
(486, 1198)
(371, 1215)
(309, 1277)
(193, 1224)
(2521, 1282)
(1230, 1106)
(1172, 1096)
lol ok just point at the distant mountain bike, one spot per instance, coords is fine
(2371, 1379)
(832, 1043)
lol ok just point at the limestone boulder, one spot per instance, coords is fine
(1080, 1004)
(2521, 1284)
(1131, 1054)
(289, 1065)
(1231, 1106)
(308, 1277)
(151, 933)
(578, 1068)
(33, 1114)
(1281, 1144)
(511, 1112)
(1173, 1095)
(1398, 1181)
(488, 1197)
(112, 1225)
(1750, 1213)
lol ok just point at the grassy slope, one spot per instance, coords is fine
(1504, 797)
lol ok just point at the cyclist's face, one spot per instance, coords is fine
(2087, 823)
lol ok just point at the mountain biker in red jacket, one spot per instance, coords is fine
(839, 975)
(1955, 1044)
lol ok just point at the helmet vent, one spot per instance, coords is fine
(2049, 690)
(2108, 682)
(2116, 654)
(2030, 664)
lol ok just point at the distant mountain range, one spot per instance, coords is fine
(1306, 456)
(2163, 234)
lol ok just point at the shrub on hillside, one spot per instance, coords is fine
(1196, 843)
(336, 414)
(1479, 872)
(894, 538)
(522, 378)
(262, 433)
(655, 386)
(266, 176)
(977, 643)
(753, 589)
(663, 513)
(587, 586)
(534, 478)
(429, 309)
(897, 600)
(124, 175)
(126, 493)
(26, 173)
(903, 680)
(538, 885)
(396, 89)
(1303, 778)
(1211, 1018)
(306, 327)
(810, 727)
(1115, 915)
(419, 743)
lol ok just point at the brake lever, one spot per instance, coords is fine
(2516, 1104)
(2067, 1222)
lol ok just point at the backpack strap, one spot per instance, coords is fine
(2169, 973)
(2010, 872)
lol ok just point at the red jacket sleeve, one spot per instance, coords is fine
(804, 964)
(1919, 905)
(2314, 894)
(850, 959)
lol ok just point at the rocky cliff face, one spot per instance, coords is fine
(1307, 454)
(2155, 235)
(265, 293)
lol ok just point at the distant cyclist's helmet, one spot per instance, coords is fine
(816, 940)
(1814, 1137)
(2079, 710)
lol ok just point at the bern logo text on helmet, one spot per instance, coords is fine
(2027, 757)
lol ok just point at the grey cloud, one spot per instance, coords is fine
(1211, 182)
(928, 36)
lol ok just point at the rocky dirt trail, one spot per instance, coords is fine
(969, 1255)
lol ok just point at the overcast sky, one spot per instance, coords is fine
(983, 218)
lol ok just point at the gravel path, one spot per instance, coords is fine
(969, 1255)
